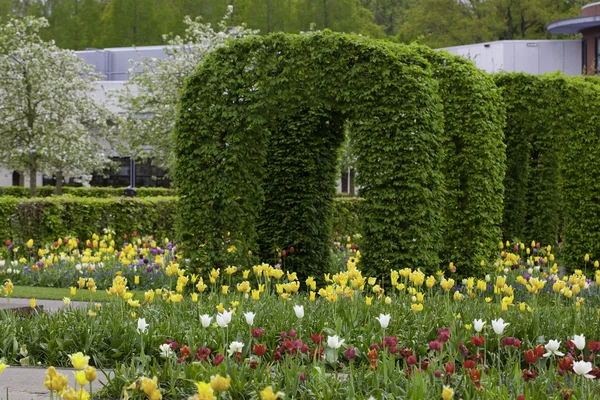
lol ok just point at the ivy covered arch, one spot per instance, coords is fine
(257, 137)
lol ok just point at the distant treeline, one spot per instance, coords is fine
(81, 24)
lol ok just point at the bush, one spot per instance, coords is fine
(346, 215)
(256, 143)
(533, 136)
(474, 160)
(99, 192)
(45, 219)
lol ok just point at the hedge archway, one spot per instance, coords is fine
(257, 137)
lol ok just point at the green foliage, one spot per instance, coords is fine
(45, 219)
(346, 215)
(81, 24)
(101, 192)
(532, 205)
(474, 163)
(552, 139)
(257, 140)
(580, 186)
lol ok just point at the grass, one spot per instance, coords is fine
(49, 293)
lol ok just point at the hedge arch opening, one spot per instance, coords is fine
(257, 140)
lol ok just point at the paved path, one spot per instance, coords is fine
(27, 383)
(49, 305)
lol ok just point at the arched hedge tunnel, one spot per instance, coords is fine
(257, 139)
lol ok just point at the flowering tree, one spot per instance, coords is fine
(50, 122)
(152, 95)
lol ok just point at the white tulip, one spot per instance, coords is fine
(165, 350)
(552, 348)
(499, 325)
(582, 368)
(142, 325)
(334, 342)
(478, 324)
(579, 341)
(235, 347)
(249, 318)
(384, 320)
(224, 318)
(205, 320)
(299, 310)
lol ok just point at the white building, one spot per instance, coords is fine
(530, 56)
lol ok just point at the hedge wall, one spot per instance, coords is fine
(474, 160)
(45, 219)
(235, 116)
(537, 122)
(553, 147)
(98, 192)
(580, 170)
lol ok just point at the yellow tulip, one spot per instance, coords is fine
(90, 373)
(417, 307)
(79, 361)
(267, 394)
(205, 391)
(80, 378)
(32, 303)
(219, 383)
(447, 393)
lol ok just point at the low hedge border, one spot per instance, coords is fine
(103, 192)
(44, 219)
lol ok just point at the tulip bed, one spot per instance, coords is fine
(527, 330)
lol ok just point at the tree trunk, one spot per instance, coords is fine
(32, 175)
(351, 175)
(59, 183)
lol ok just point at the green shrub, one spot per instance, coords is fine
(45, 219)
(259, 126)
(534, 104)
(474, 160)
(99, 192)
(346, 215)
(580, 169)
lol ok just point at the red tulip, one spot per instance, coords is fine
(475, 376)
(259, 349)
(219, 359)
(529, 374)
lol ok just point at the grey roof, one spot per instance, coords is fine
(573, 25)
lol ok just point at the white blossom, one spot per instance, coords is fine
(153, 90)
(51, 123)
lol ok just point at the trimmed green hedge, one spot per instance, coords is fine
(45, 219)
(537, 121)
(259, 126)
(98, 192)
(580, 170)
(553, 148)
(474, 161)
